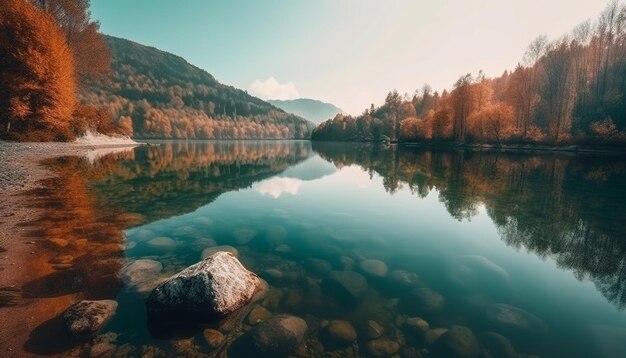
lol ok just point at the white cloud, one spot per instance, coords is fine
(275, 187)
(272, 89)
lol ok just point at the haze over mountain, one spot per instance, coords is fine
(309, 109)
(155, 94)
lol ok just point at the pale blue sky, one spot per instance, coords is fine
(347, 52)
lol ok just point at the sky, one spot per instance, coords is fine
(347, 52)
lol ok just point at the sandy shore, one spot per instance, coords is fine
(21, 176)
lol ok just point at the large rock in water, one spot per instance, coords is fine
(214, 287)
(277, 337)
(84, 319)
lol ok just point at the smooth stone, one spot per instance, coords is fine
(258, 314)
(403, 279)
(510, 317)
(162, 242)
(498, 345)
(457, 342)
(204, 242)
(243, 236)
(374, 329)
(341, 331)
(277, 337)
(382, 347)
(416, 325)
(433, 334)
(375, 268)
(346, 285)
(317, 266)
(84, 319)
(212, 250)
(347, 263)
(283, 249)
(143, 235)
(185, 231)
(275, 235)
(101, 350)
(272, 274)
(213, 337)
(215, 286)
(425, 300)
(139, 271)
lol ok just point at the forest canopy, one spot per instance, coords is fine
(570, 90)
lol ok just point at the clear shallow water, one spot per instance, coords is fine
(529, 246)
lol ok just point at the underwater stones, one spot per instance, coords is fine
(140, 271)
(317, 266)
(243, 236)
(225, 248)
(509, 317)
(403, 279)
(101, 350)
(345, 285)
(213, 337)
(433, 334)
(84, 319)
(215, 286)
(374, 329)
(424, 300)
(275, 235)
(277, 337)
(382, 347)
(374, 268)
(258, 314)
(498, 345)
(272, 274)
(347, 263)
(204, 242)
(162, 243)
(142, 235)
(458, 341)
(283, 249)
(416, 325)
(341, 332)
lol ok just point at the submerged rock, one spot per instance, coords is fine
(138, 272)
(375, 268)
(213, 338)
(162, 243)
(459, 342)
(317, 266)
(258, 314)
(432, 335)
(416, 325)
(277, 337)
(341, 331)
(509, 317)
(212, 250)
(345, 285)
(374, 329)
(382, 347)
(243, 236)
(498, 345)
(84, 319)
(423, 300)
(403, 279)
(214, 287)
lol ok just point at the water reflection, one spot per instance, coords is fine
(565, 207)
(121, 223)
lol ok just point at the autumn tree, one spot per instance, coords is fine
(36, 74)
(91, 53)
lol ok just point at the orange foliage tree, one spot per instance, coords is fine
(36, 75)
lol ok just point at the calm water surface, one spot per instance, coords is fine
(531, 247)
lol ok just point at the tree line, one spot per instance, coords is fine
(48, 49)
(570, 90)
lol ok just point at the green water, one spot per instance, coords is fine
(543, 233)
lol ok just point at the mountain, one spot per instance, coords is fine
(310, 109)
(155, 94)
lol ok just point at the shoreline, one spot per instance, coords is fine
(22, 178)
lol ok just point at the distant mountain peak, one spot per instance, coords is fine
(313, 110)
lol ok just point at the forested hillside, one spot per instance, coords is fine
(309, 109)
(566, 91)
(154, 94)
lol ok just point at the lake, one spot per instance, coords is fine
(528, 251)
